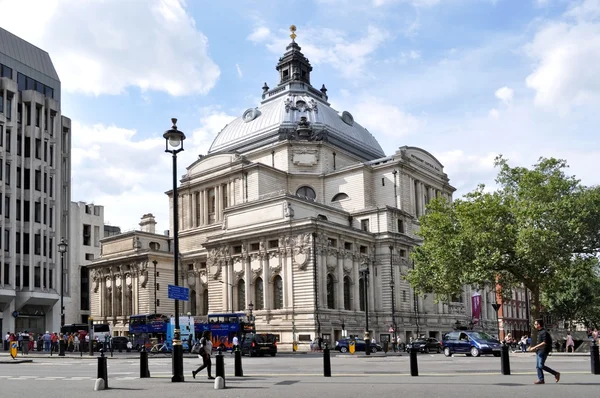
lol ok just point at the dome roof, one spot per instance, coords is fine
(259, 126)
(295, 110)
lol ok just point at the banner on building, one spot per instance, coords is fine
(476, 307)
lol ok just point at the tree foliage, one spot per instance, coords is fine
(529, 231)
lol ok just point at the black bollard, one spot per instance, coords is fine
(367, 348)
(504, 360)
(239, 372)
(220, 363)
(326, 362)
(111, 350)
(144, 371)
(414, 366)
(102, 368)
(594, 360)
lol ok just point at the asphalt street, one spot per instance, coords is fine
(301, 375)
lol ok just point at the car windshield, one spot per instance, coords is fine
(481, 336)
(264, 338)
(419, 341)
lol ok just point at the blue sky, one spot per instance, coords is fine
(463, 79)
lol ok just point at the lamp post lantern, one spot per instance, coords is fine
(364, 273)
(174, 144)
(62, 249)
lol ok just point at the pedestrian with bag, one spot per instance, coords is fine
(542, 349)
(205, 353)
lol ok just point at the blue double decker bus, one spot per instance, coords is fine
(145, 330)
(224, 327)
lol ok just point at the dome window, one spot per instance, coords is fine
(339, 196)
(306, 193)
(250, 114)
(347, 118)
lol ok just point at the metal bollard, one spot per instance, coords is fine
(594, 360)
(504, 360)
(220, 371)
(111, 350)
(414, 366)
(239, 372)
(102, 368)
(144, 371)
(326, 362)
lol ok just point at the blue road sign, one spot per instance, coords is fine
(179, 293)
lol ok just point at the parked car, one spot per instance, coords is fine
(425, 345)
(259, 344)
(470, 343)
(344, 346)
(119, 342)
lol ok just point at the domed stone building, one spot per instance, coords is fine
(297, 212)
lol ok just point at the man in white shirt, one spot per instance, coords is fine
(235, 343)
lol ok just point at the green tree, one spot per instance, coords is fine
(573, 294)
(524, 233)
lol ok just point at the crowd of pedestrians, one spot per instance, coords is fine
(47, 342)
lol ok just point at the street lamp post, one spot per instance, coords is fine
(393, 298)
(155, 262)
(174, 144)
(62, 248)
(364, 273)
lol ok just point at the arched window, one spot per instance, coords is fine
(306, 193)
(347, 292)
(241, 292)
(193, 308)
(277, 293)
(330, 292)
(362, 293)
(205, 302)
(259, 303)
(339, 196)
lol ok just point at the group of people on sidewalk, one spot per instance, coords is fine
(47, 342)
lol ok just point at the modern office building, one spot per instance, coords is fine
(35, 170)
(87, 229)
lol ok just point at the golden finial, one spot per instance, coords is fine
(293, 30)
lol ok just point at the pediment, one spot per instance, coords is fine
(212, 162)
(423, 158)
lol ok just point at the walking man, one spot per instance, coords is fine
(542, 349)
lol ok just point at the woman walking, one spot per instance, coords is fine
(205, 353)
(570, 342)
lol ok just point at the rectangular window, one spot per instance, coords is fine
(38, 148)
(44, 247)
(51, 218)
(18, 243)
(21, 81)
(28, 112)
(37, 244)
(273, 244)
(26, 211)
(37, 216)
(403, 253)
(50, 244)
(7, 174)
(49, 92)
(364, 225)
(6, 274)
(26, 243)
(27, 147)
(30, 84)
(38, 112)
(19, 144)
(254, 247)
(18, 276)
(89, 256)
(38, 180)
(18, 177)
(26, 179)
(7, 141)
(45, 182)
(45, 214)
(9, 100)
(401, 226)
(5, 71)
(51, 186)
(7, 206)
(87, 235)
(37, 277)
(45, 151)
(363, 249)
(1, 135)
(18, 210)
(51, 155)
(19, 113)
(26, 276)
(96, 235)
(51, 278)
(1, 103)
(6, 240)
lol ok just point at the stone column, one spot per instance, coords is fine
(219, 201)
(322, 278)
(205, 219)
(266, 280)
(193, 212)
(340, 284)
(356, 284)
(286, 270)
(371, 289)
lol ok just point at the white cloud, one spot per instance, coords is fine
(129, 179)
(105, 47)
(383, 118)
(259, 34)
(331, 46)
(239, 71)
(567, 53)
(494, 113)
(505, 95)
